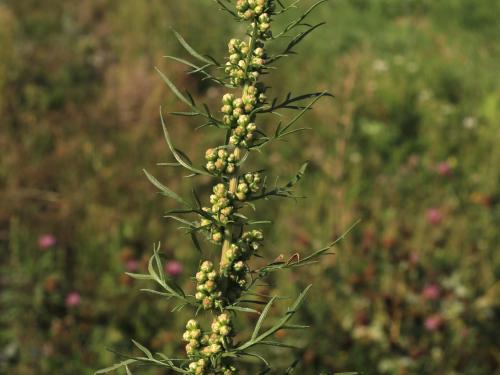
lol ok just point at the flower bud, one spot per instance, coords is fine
(224, 318)
(205, 222)
(211, 154)
(217, 237)
(227, 120)
(244, 48)
(206, 266)
(239, 266)
(264, 18)
(243, 120)
(215, 348)
(227, 109)
(227, 99)
(219, 164)
(210, 286)
(211, 166)
(192, 324)
(195, 334)
(248, 14)
(199, 296)
(232, 44)
(230, 168)
(234, 140)
(201, 277)
(234, 58)
(238, 102)
(215, 326)
(224, 330)
(237, 112)
(207, 303)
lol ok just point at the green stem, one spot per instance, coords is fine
(233, 181)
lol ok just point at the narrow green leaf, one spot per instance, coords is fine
(299, 115)
(152, 271)
(175, 90)
(143, 349)
(115, 366)
(164, 190)
(242, 309)
(159, 265)
(190, 49)
(196, 242)
(261, 318)
(278, 344)
(139, 276)
(152, 291)
(298, 176)
(177, 156)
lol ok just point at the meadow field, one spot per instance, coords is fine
(409, 146)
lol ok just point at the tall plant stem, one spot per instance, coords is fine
(228, 235)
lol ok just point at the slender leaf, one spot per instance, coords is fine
(115, 366)
(165, 190)
(190, 49)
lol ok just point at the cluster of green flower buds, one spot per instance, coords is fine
(222, 326)
(263, 26)
(198, 367)
(229, 370)
(250, 9)
(244, 65)
(207, 345)
(222, 203)
(192, 336)
(238, 115)
(207, 291)
(252, 239)
(220, 161)
(249, 183)
(234, 266)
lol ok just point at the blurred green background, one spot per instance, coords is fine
(410, 145)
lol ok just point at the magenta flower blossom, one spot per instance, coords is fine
(46, 240)
(73, 299)
(433, 322)
(132, 265)
(434, 216)
(444, 169)
(431, 292)
(173, 268)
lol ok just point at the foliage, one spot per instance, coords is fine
(235, 286)
(417, 103)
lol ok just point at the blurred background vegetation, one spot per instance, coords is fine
(410, 145)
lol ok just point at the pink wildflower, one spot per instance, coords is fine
(433, 322)
(431, 292)
(444, 169)
(173, 268)
(434, 216)
(73, 299)
(46, 240)
(132, 265)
